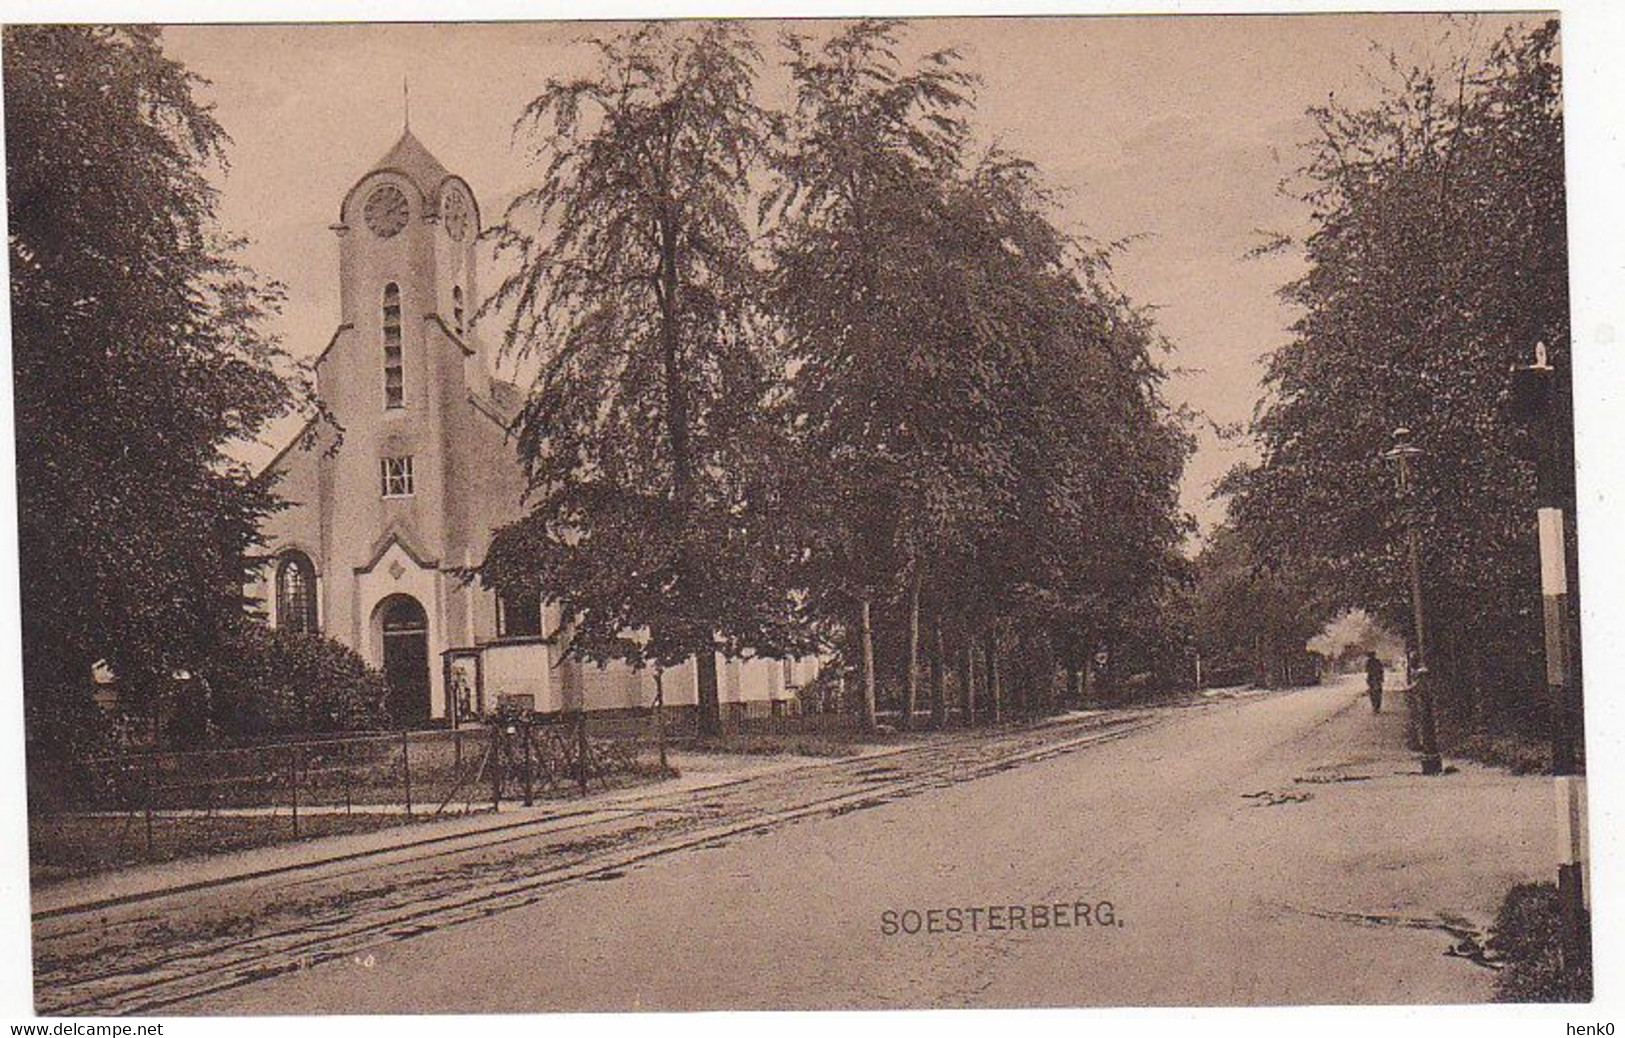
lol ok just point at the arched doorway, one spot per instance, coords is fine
(405, 630)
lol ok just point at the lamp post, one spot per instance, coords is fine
(1401, 454)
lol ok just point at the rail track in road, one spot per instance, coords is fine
(157, 967)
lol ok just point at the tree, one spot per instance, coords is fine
(1436, 263)
(885, 406)
(655, 500)
(139, 356)
(977, 403)
(1250, 613)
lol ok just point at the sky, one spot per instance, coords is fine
(1175, 132)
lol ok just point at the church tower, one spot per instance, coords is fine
(408, 497)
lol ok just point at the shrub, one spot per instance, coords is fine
(1528, 937)
(62, 723)
(279, 682)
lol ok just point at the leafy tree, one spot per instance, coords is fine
(654, 499)
(1089, 555)
(888, 404)
(977, 403)
(1251, 614)
(138, 354)
(944, 408)
(1436, 263)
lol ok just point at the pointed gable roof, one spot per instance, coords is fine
(397, 534)
(410, 157)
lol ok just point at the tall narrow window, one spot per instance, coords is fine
(396, 476)
(296, 593)
(457, 308)
(394, 386)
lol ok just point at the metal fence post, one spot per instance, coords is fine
(581, 750)
(293, 784)
(148, 798)
(494, 756)
(406, 770)
(660, 718)
(524, 729)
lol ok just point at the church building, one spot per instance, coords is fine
(408, 489)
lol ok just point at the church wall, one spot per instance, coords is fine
(298, 525)
(482, 477)
(754, 680)
(522, 669)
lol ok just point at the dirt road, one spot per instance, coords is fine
(1274, 849)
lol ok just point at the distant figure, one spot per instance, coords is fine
(1373, 681)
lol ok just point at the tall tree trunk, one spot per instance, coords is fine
(1106, 675)
(682, 463)
(939, 690)
(710, 700)
(911, 693)
(867, 635)
(1021, 676)
(710, 704)
(995, 680)
(967, 684)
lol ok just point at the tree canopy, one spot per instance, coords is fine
(1436, 264)
(645, 433)
(900, 387)
(139, 354)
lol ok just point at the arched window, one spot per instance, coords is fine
(296, 593)
(394, 386)
(457, 308)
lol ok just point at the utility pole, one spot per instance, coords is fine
(1421, 681)
(1533, 401)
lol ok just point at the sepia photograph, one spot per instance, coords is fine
(708, 514)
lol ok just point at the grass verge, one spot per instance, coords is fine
(64, 846)
(1527, 938)
(761, 744)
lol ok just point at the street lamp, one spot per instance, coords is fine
(1421, 682)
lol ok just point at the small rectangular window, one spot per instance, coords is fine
(397, 476)
(519, 616)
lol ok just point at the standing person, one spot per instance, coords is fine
(1374, 672)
